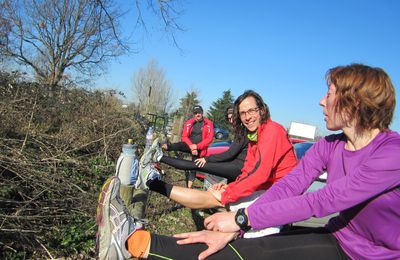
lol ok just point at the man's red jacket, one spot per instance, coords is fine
(207, 136)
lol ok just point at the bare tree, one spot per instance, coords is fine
(153, 92)
(63, 39)
(5, 27)
(168, 11)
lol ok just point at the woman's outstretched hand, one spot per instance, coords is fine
(214, 240)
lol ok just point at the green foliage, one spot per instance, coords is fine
(8, 254)
(5, 191)
(100, 170)
(97, 164)
(187, 103)
(78, 236)
(217, 110)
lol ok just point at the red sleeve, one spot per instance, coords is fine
(271, 147)
(186, 133)
(208, 136)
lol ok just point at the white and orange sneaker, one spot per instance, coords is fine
(114, 222)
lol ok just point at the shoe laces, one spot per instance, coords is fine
(133, 223)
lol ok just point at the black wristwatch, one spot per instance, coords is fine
(241, 220)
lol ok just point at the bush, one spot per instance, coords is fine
(58, 145)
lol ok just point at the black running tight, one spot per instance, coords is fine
(183, 147)
(229, 170)
(306, 244)
(180, 146)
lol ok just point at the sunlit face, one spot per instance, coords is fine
(250, 114)
(198, 116)
(328, 103)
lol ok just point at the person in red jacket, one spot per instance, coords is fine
(197, 135)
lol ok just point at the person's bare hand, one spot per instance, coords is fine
(200, 162)
(164, 146)
(222, 221)
(214, 240)
(195, 152)
(193, 147)
(219, 186)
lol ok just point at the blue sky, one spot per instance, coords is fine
(281, 49)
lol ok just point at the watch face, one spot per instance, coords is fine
(240, 219)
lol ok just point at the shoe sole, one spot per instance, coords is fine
(103, 236)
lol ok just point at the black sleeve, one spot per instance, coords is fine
(234, 150)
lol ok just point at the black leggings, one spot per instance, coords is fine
(180, 146)
(183, 147)
(229, 170)
(312, 243)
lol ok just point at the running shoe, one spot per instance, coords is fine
(114, 222)
(163, 139)
(146, 173)
(152, 154)
(147, 170)
(158, 153)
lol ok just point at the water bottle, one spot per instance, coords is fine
(127, 167)
(149, 137)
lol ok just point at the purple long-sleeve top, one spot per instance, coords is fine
(362, 185)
